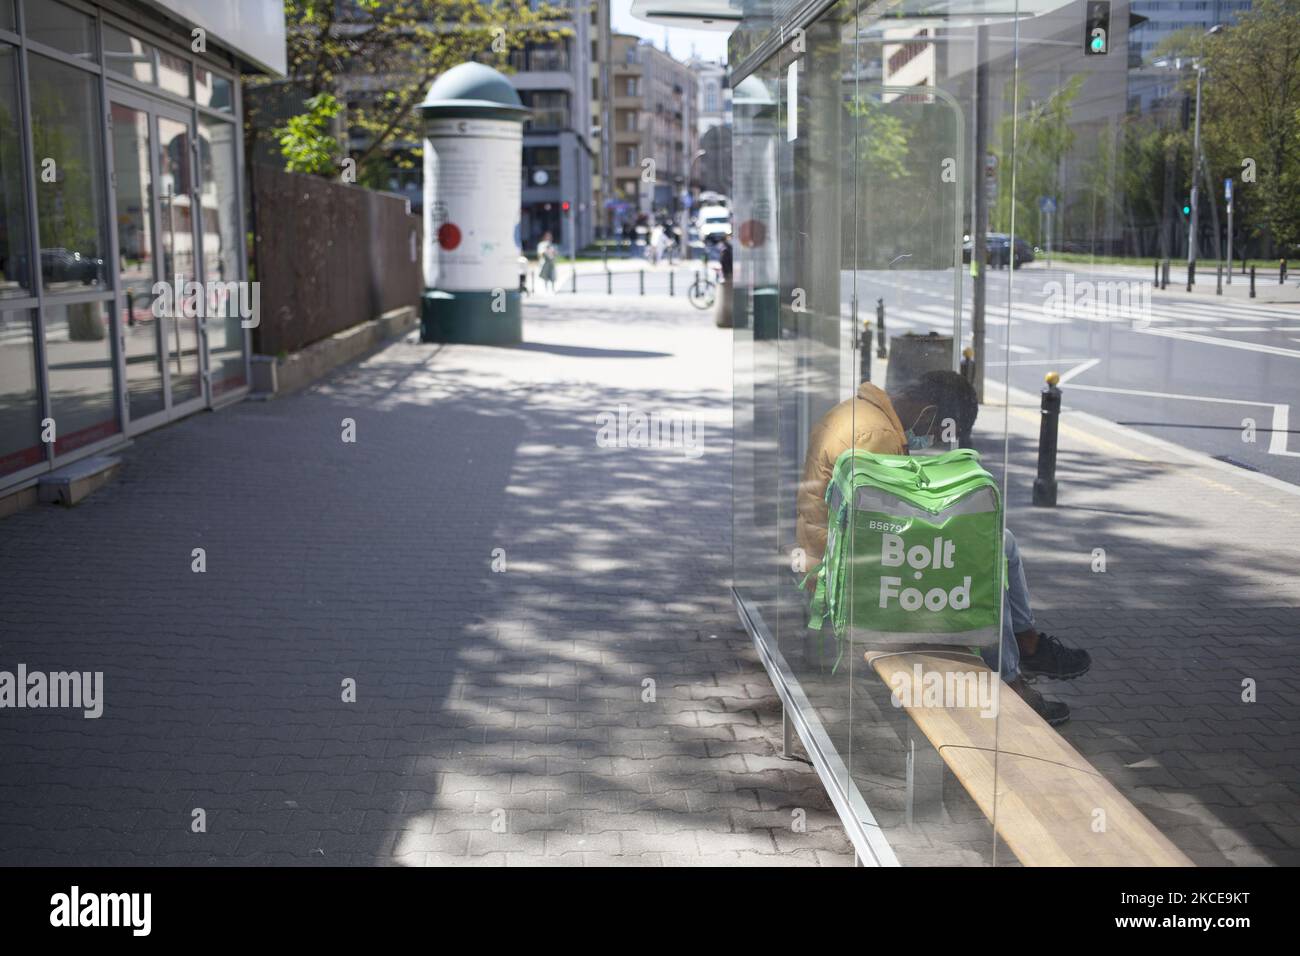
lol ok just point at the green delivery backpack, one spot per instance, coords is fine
(913, 551)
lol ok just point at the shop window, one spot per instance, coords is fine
(143, 62)
(219, 201)
(213, 90)
(79, 357)
(15, 270)
(66, 140)
(20, 403)
(60, 26)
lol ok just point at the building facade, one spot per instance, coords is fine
(121, 168)
(1156, 20)
(561, 159)
(656, 136)
(713, 121)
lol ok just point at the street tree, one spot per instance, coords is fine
(356, 72)
(1250, 109)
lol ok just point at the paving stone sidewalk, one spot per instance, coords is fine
(591, 701)
(1197, 594)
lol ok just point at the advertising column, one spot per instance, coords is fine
(473, 160)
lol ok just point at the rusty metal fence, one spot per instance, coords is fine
(328, 256)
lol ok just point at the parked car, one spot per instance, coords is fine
(57, 265)
(998, 250)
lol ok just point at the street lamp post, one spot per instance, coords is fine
(1196, 170)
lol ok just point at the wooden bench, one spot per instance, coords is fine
(1050, 802)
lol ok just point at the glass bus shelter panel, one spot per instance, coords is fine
(814, 177)
(758, 562)
(920, 599)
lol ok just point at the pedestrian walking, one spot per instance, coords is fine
(546, 253)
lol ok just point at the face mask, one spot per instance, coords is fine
(923, 440)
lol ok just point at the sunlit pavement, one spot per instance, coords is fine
(591, 700)
(1177, 574)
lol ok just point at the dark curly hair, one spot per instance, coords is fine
(952, 396)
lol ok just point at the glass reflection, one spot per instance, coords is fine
(67, 149)
(20, 406)
(79, 355)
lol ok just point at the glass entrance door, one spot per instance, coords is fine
(156, 229)
(177, 224)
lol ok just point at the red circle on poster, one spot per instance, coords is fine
(449, 235)
(752, 233)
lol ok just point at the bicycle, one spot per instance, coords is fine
(703, 291)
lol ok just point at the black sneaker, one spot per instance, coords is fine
(1055, 712)
(1053, 659)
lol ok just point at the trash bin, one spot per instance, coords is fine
(912, 355)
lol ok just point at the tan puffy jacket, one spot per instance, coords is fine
(867, 422)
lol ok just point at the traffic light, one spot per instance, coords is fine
(1187, 207)
(565, 205)
(1096, 28)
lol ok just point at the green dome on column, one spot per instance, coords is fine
(473, 89)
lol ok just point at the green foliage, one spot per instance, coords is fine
(306, 141)
(377, 58)
(1042, 136)
(881, 138)
(65, 208)
(1250, 108)
(900, 146)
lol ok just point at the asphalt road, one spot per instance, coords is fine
(1219, 375)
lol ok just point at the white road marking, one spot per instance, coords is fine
(1079, 370)
(1281, 413)
(1226, 343)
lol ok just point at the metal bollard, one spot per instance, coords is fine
(882, 347)
(671, 290)
(575, 281)
(643, 282)
(1281, 273)
(1218, 280)
(1165, 282)
(1045, 483)
(864, 352)
(1191, 275)
(1157, 274)
(609, 283)
(1252, 282)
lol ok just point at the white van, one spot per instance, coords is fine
(714, 223)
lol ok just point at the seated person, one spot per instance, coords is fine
(870, 421)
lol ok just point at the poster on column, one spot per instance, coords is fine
(472, 224)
